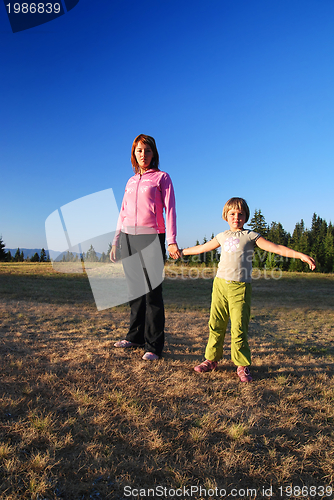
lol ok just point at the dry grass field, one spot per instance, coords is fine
(82, 420)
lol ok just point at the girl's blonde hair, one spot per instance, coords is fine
(145, 139)
(233, 204)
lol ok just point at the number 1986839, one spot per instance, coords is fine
(305, 491)
(33, 8)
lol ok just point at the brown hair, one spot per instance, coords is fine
(145, 139)
(233, 204)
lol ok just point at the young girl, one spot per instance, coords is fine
(231, 294)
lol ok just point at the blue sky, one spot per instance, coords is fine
(237, 93)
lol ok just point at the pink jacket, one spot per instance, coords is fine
(145, 198)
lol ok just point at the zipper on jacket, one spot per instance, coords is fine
(136, 204)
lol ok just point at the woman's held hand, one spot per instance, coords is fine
(174, 251)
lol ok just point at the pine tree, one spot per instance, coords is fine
(297, 233)
(259, 225)
(17, 255)
(68, 257)
(329, 250)
(277, 235)
(3, 253)
(300, 243)
(42, 257)
(195, 258)
(35, 257)
(204, 257)
(272, 261)
(317, 240)
(91, 255)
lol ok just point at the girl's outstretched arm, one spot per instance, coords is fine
(268, 246)
(206, 247)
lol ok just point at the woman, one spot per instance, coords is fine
(141, 226)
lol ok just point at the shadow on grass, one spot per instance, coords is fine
(102, 418)
(56, 288)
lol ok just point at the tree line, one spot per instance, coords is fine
(6, 255)
(43, 256)
(89, 256)
(318, 242)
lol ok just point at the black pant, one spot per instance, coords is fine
(147, 317)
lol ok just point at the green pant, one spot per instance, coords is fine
(230, 299)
